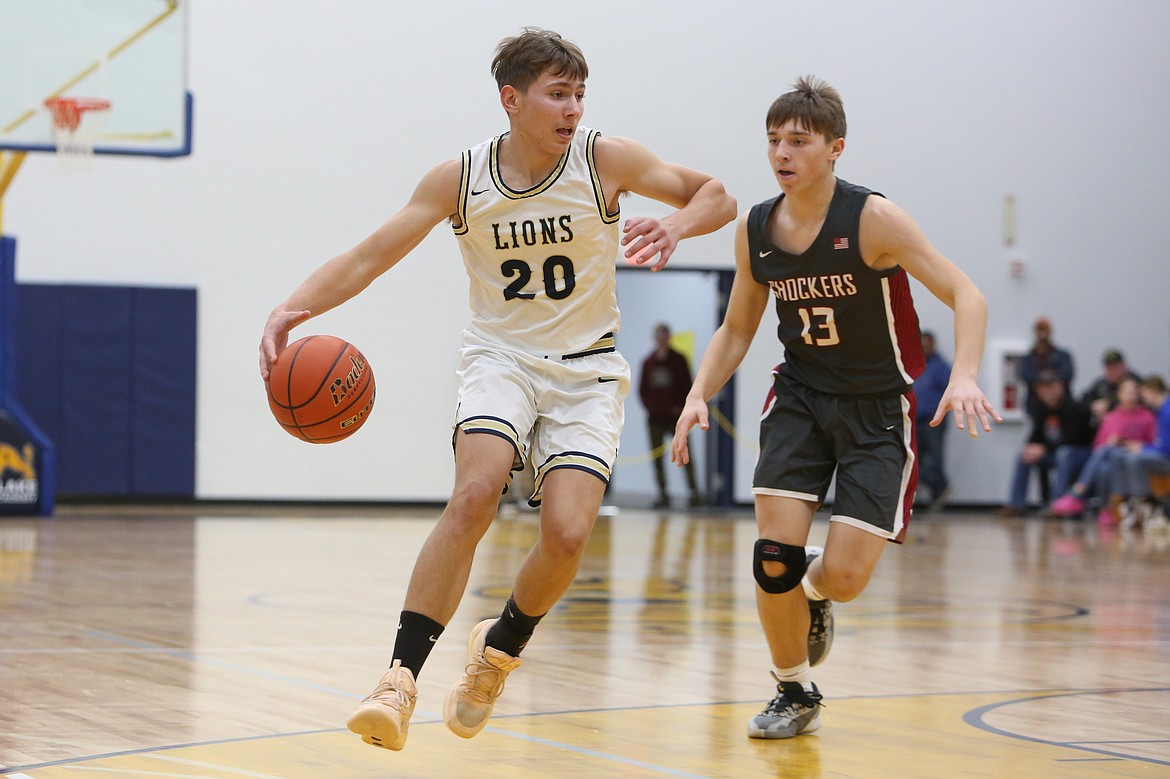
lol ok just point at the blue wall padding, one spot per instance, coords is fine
(163, 427)
(109, 374)
(37, 356)
(93, 452)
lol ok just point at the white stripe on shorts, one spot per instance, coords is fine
(786, 494)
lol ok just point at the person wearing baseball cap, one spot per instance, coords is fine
(1101, 397)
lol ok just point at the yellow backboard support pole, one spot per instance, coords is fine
(10, 162)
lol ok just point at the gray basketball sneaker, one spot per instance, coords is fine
(820, 626)
(793, 711)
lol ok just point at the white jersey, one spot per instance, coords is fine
(541, 260)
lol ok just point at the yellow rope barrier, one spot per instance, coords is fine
(725, 424)
(648, 457)
(717, 417)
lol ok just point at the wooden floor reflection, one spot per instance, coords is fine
(227, 643)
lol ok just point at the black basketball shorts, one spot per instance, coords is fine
(868, 441)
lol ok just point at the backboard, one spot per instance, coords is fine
(129, 53)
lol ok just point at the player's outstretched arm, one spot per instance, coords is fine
(892, 238)
(728, 346)
(341, 278)
(703, 204)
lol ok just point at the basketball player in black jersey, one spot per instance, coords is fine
(835, 258)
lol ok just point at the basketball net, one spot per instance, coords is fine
(76, 123)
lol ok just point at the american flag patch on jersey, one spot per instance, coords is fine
(840, 243)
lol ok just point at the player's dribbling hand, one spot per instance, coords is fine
(275, 337)
(646, 238)
(693, 413)
(971, 408)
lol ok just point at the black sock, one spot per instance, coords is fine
(417, 635)
(512, 630)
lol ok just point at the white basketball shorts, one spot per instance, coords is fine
(557, 411)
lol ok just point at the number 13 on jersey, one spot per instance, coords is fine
(820, 326)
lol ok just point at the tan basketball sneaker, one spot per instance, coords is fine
(384, 716)
(469, 703)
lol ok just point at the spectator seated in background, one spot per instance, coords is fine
(1131, 500)
(1101, 396)
(1129, 423)
(1061, 440)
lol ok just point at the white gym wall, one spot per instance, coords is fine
(313, 122)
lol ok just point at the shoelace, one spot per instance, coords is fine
(390, 695)
(818, 630)
(783, 703)
(486, 681)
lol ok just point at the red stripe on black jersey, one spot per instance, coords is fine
(907, 335)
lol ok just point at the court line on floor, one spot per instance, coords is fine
(1032, 695)
(197, 657)
(975, 718)
(149, 750)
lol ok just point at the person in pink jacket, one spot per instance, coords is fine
(1130, 422)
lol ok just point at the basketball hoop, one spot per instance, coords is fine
(76, 122)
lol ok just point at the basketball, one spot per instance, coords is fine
(321, 389)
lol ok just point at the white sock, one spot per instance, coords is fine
(797, 673)
(810, 591)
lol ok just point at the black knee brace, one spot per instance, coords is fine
(773, 551)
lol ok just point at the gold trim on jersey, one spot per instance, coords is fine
(513, 194)
(598, 191)
(464, 185)
(606, 343)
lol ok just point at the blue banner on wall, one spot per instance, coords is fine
(20, 467)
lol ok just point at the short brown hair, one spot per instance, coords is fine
(812, 103)
(1155, 383)
(522, 58)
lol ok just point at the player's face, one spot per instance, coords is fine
(549, 111)
(801, 157)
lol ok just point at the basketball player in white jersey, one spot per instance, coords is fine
(535, 212)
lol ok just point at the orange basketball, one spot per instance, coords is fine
(321, 389)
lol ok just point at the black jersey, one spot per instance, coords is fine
(847, 329)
